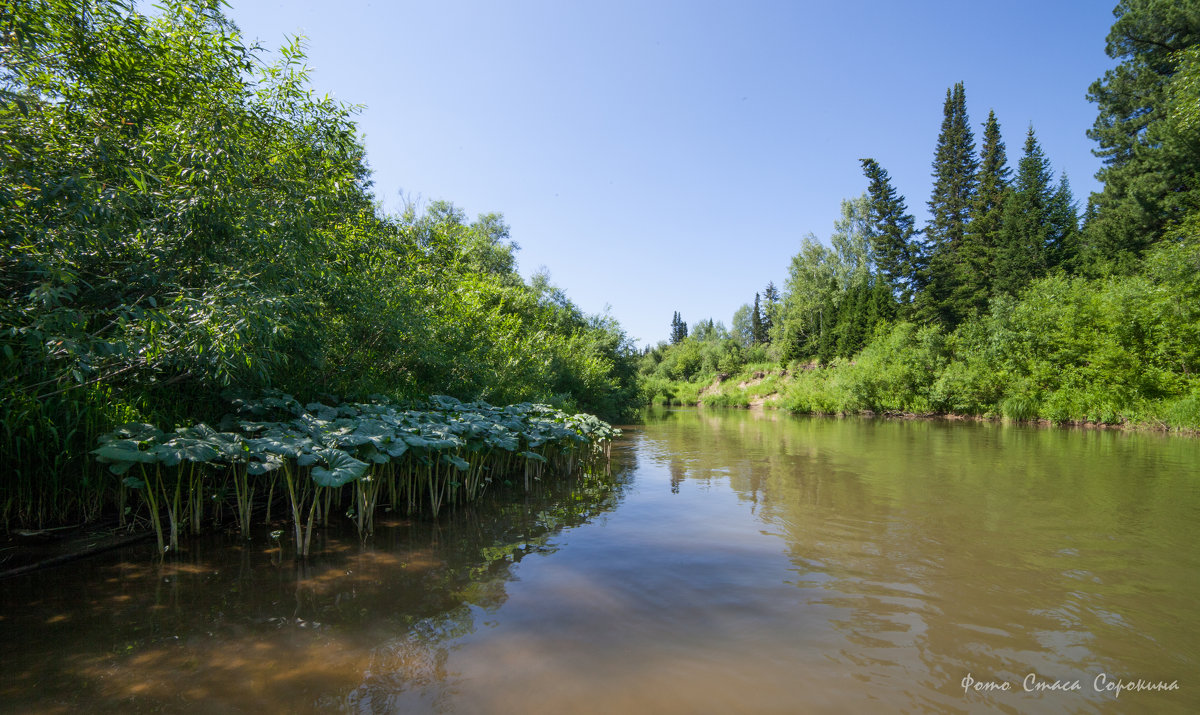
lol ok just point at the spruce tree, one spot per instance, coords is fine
(883, 304)
(854, 319)
(756, 323)
(893, 238)
(679, 329)
(987, 217)
(1026, 234)
(1063, 217)
(771, 309)
(954, 184)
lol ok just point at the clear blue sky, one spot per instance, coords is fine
(663, 156)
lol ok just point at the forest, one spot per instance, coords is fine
(186, 223)
(1011, 301)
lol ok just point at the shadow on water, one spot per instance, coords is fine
(239, 626)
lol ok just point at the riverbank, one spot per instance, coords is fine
(840, 389)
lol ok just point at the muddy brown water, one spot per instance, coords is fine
(738, 562)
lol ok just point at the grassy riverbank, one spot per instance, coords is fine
(1066, 354)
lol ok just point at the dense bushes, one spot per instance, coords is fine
(1069, 349)
(1105, 350)
(179, 217)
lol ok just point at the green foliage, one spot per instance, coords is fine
(442, 452)
(757, 329)
(679, 329)
(179, 216)
(725, 399)
(1183, 413)
(821, 280)
(895, 373)
(771, 309)
(742, 325)
(982, 241)
(893, 236)
(1151, 155)
(709, 350)
(955, 178)
(1025, 237)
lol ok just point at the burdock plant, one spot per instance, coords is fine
(446, 452)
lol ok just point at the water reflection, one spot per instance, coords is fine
(233, 626)
(985, 549)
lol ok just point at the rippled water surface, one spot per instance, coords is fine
(741, 562)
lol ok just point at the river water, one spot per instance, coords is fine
(737, 561)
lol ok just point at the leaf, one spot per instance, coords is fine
(322, 411)
(372, 454)
(534, 456)
(271, 463)
(124, 450)
(137, 431)
(456, 461)
(341, 468)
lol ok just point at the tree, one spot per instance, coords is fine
(819, 280)
(1062, 214)
(1150, 159)
(954, 183)
(771, 309)
(864, 306)
(810, 290)
(709, 331)
(851, 240)
(679, 329)
(987, 217)
(1026, 234)
(743, 329)
(893, 237)
(756, 323)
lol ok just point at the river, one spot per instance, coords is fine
(737, 561)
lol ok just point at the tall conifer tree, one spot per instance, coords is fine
(1063, 217)
(954, 183)
(893, 238)
(756, 323)
(679, 329)
(771, 309)
(1026, 235)
(987, 217)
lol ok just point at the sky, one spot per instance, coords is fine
(659, 156)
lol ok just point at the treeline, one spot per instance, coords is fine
(1010, 301)
(181, 218)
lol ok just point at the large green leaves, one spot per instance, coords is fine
(339, 468)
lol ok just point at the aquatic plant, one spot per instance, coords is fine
(440, 452)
